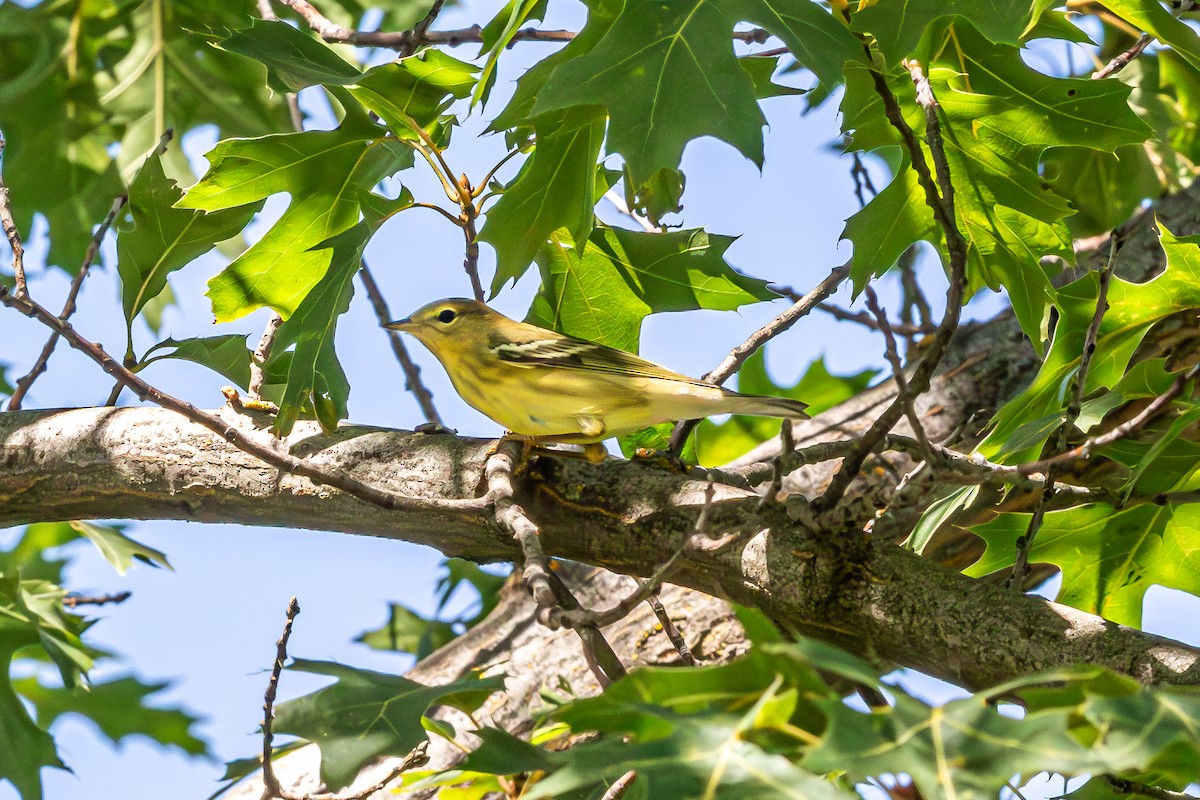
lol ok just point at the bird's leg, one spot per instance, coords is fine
(592, 452)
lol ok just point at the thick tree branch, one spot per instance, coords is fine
(869, 596)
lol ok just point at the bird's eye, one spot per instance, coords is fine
(446, 315)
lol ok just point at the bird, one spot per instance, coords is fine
(547, 387)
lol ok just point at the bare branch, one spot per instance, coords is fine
(620, 786)
(271, 787)
(1074, 407)
(550, 594)
(10, 230)
(75, 600)
(407, 41)
(903, 392)
(942, 206)
(738, 355)
(1121, 61)
(421, 29)
(412, 373)
(277, 458)
(1126, 786)
(39, 366)
(260, 355)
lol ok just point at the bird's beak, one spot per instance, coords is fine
(398, 325)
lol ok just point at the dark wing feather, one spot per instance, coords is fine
(567, 352)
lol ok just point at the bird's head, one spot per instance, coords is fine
(441, 324)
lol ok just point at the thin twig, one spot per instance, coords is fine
(942, 205)
(556, 606)
(469, 217)
(1126, 786)
(75, 600)
(1074, 408)
(262, 352)
(416, 757)
(862, 179)
(673, 633)
(620, 786)
(10, 230)
(271, 787)
(597, 652)
(865, 319)
(618, 202)
(913, 296)
(412, 373)
(402, 40)
(420, 30)
(278, 458)
(39, 366)
(499, 472)
(738, 355)
(902, 388)
(1121, 61)
(780, 467)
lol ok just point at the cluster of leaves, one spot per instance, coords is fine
(774, 723)
(40, 637)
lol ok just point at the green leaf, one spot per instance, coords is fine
(1105, 188)
(701, 755)
(998, 117)
(660, 195)
(28, 554)
(26, 747)
(366, 715)
(415, 90)
(460, 572)
(329, 175)
(156, 239)
(761, 69)
(118, 549)
(498, 37)
(939, 512)
(965, 749)
(294, 59)
(720, 443)
(634, 274)
(1109, 557)
(1133, 308)
(898, 25)
(1182, 423)
(519, 111)
(554, 189)
(118, 708)
(888, 225)
(31, 613)
(408, 632)
(667, 74)
(226, 355)
(314, 375)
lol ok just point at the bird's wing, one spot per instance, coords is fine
(567, 352)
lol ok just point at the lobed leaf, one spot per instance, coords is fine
(365, 715)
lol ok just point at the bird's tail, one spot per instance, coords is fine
(757, 406)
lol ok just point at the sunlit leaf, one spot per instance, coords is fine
(634, 274)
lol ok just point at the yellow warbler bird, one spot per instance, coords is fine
(546, 386)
